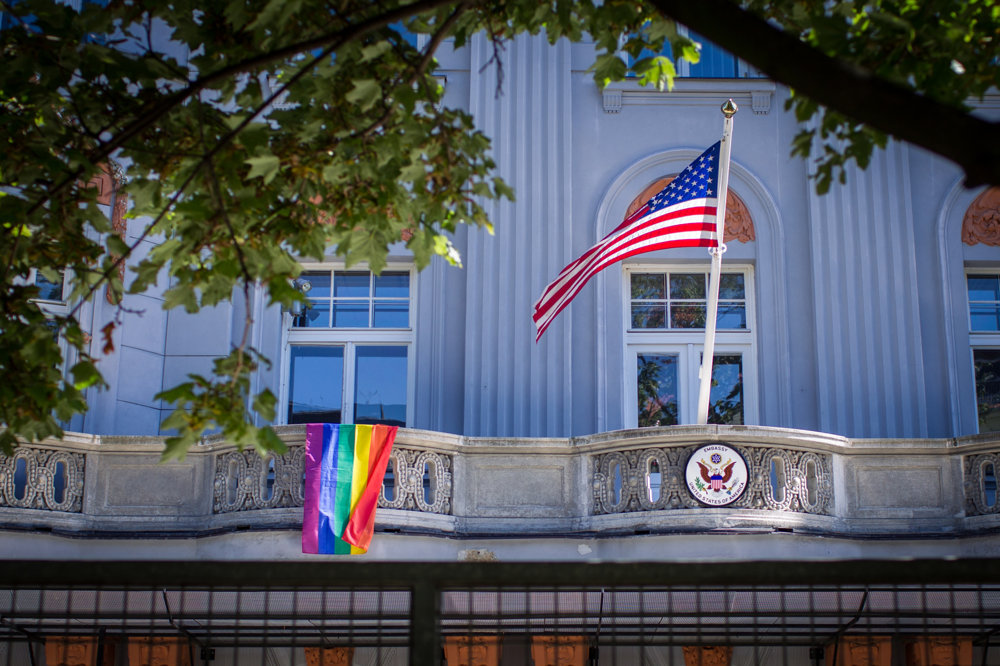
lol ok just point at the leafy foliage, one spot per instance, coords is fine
(256, 133)
(253, 134)
(945, 49)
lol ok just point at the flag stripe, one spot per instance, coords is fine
(361, 526)
(681, 235)
(662, 245)
(310, 491)
(683, 214)
(345, 471)
(635, 236)
(623, 235)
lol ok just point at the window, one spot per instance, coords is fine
(348, 354)
(664, 336)
(984, 326)
(715, 63)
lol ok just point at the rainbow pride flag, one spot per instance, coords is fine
(345, 465)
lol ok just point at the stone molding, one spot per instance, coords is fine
(35, 483)
(977, 499)
(537, 488)
(805, 480)
(981, 223)
(246, 482)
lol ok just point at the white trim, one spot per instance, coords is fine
(955, 300)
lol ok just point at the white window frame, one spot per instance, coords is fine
(985, 340)
(687, 343)
(350, 339)
(59, 308)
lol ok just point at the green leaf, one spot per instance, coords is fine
(264, 166)
(364, 93)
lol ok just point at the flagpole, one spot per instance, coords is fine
(705, 374)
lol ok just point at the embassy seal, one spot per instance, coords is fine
(716, 475)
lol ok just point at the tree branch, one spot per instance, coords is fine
(970, 142)
(148, 117)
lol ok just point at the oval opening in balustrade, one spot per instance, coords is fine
(232, 482)
(389, 482)
(616, 474)
(812, 482)
(778, 479)
(267, 482)
(653, 481)
(20, 478)
(59, 483)
(990, 484)
(429, 486)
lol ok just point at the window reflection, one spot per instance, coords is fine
(726, 397)
(987, 369)
(315, 381)
(380, 385)
(657, 388)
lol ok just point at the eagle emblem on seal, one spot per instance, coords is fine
(716, 473)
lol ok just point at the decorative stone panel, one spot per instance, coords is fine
(408, 468)
(981, 223)
(246, 482)
(980, 486)
(28, 479)
(804, 480)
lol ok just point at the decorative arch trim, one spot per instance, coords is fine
(739, 223)
(981, 223)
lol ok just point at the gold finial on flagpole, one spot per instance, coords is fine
(729, 108)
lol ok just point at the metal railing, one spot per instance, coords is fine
(419, 613)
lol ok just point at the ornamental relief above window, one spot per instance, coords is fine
(981, 223)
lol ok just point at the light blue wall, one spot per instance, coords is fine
(860, 327)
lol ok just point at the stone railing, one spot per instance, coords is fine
(244, 481)
(653, 480)
(603, 486)
(50, 479)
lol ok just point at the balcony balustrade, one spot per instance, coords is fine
(610, 485)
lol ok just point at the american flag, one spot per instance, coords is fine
(682, 214)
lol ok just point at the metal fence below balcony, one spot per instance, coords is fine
(263, 613)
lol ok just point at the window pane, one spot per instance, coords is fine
(392, 285)
(319, 284)
(984, 317)
(648, 285)
(47, 290)
(649, 316)
(392, 314)
(317, 315)
(726, 396)
(984, 288)
(714, 62)
(351, 284)
(987, 365)
(731, 286)
(315, 384)
(687, 285)
(687, 316)
(350, 315)
(656, 382)
(380, 385)
(732, 315)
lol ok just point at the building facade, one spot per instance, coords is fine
(857, 363)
